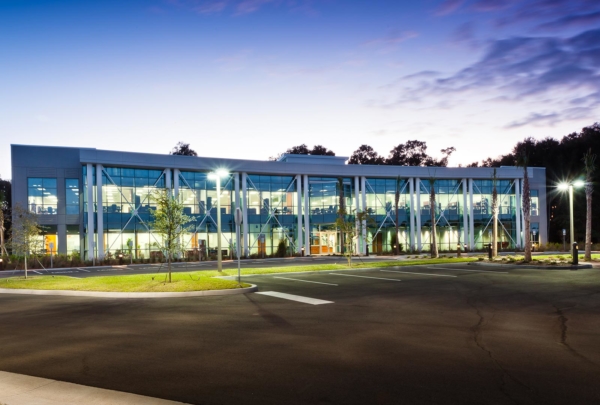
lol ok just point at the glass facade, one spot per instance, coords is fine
(482, 213)
(273, 214)
(198, 194)
(381, 211)
(127, 199)
(72, 196)
(42, 196)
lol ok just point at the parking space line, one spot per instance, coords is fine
(36, 272)
(376, 278)
(422, 274)
(298, 298)
(79, 268)
(476, 271)
(304, 281)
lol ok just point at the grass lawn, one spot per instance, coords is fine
(194, 280)
(134, 283)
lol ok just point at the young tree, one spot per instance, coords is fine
(523, 161)
(183, 149)
(25, 233)
(494, 214)
(432, 204)
(589, 161)
(169, 222)
(3, 208)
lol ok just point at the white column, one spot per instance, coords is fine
(471, 217)
(363, 191)
(245, 213)
(306, 217)
(100, 215)
(411, 187)
(175, 182)
(168, 180)
(90, 211)
(418, 227)
(357, 210)
(467, 213)
(300, 243)
(518, 212)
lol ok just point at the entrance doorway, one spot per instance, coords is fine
(323, 243)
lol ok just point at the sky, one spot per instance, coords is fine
(249, 79)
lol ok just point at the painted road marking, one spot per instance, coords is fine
(36, 272)
(79, 268)
(476, 271)
(423, 274)
(376, 278)
(291, 297)
(304, 281)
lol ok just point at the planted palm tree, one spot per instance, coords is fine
(589, 161)
(494, 214)
(432, 204)
(523, 161)
(396, 201)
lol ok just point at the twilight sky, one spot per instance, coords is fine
(251, 78)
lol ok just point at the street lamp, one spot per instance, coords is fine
(217, 175)
(569, 186)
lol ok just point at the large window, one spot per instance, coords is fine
(534, 203)
(72, 196)
(41, 196)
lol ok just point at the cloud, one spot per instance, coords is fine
(393, 38)
(250, 6)
(550, 71)
(535, 118)
(449, 7)
(240, 7)
(210, 7)
(570, 21)
(465, 35)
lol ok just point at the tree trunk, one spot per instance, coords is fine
(396, 201)
(495, 218)
(588, 221)
(434, 248)
(169, 265)
(526, 215)
(25, 264)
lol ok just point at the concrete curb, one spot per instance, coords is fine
(101, 294)
(527, 266)
(19, 389)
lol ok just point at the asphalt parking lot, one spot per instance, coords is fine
(444, 334)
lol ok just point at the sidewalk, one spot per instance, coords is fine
(18, 389)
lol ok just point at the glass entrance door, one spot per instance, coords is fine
(323, 243)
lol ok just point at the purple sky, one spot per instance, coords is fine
(251, 78)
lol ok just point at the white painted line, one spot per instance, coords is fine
(422, 274)
(476, 271)
(304, 281)
(120, 266)
(36, 272)
(376, 278)
(291, 297)
(79, 268)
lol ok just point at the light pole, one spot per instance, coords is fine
(569, 186)
(217, 175)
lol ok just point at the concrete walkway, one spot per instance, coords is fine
(18, 389)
